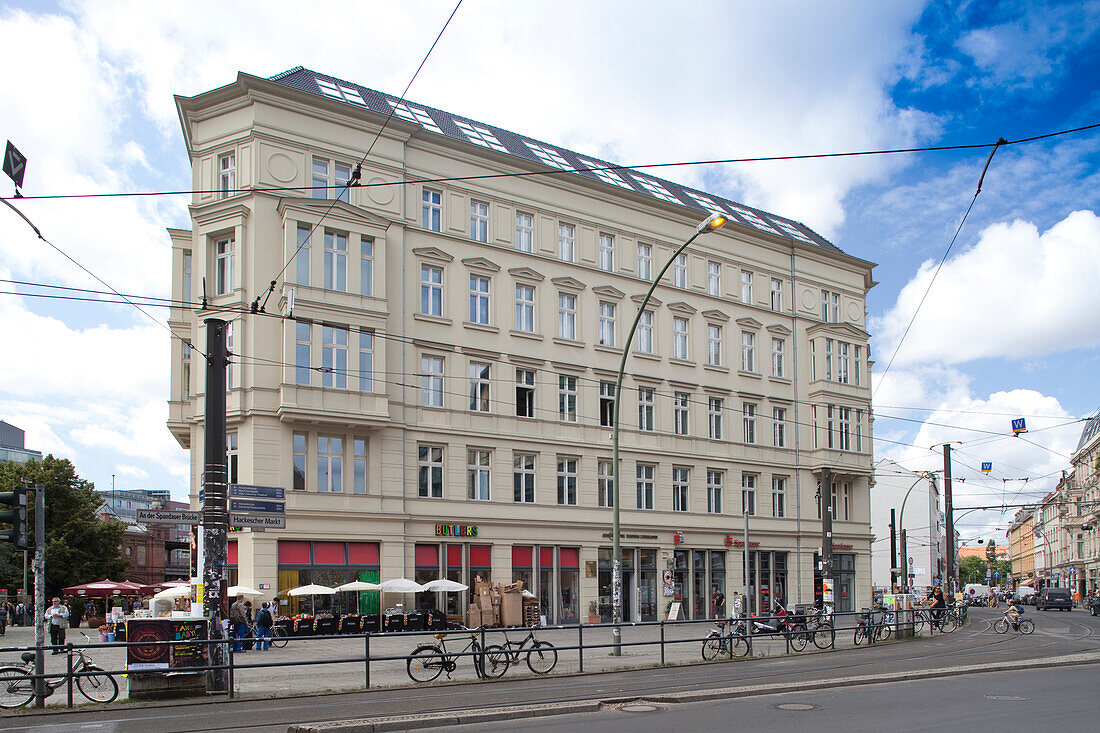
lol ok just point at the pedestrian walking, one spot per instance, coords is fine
(20, 614)
(265, 620)
(58, 617)
(238, 623)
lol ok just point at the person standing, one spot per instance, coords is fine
(718, 603)
(4, 613)
(264, 621)
(238, 621)
(58, 617)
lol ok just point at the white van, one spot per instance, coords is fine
(974, 590)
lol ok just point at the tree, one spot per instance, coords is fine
(991, 551)
(972, 566)
(80, 548)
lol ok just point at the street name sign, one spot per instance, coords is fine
(248, 491)
(169, 516)
(256, 506)
(260, 521)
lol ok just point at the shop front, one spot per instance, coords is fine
(696, 575)
(301, 562)
(639, 579)
(844, 581)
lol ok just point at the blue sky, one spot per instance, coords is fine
(1008, 328)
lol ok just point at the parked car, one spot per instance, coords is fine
(1026, 594)
(1094, 605)
(1054, 598)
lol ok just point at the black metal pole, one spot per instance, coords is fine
(827, 526)
(949, 581)
(39, 593)
(904, 564)
(215, 506)
(894, 564)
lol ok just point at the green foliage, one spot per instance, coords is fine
(79, 547)
(972, 566)
(991, 551)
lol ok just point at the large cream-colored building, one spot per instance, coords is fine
(431, 379)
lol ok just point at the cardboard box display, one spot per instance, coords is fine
(511, 609)
(517, 586)
(486, 618)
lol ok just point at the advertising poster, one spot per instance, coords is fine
(156, 655)
(827, 590)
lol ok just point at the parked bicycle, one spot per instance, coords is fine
(727, 639)
(1023, 625)
(819, 624)
(428, 661)
(869, 629)
(542, 657)
(17, 683)
(790, 626)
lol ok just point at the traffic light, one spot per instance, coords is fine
(16, 517)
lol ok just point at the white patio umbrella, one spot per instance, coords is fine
(241, 590)
(312, 590)
(176, 591)
(400, 585)
(358, 585)
(444, 585)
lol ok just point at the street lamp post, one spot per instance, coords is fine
(712, 223)
(901, 524)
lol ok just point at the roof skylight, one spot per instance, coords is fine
(791, 230)
(657, 190)
(341, 92)
(480, 135)
(415, 114)
(707, 204)
(603, 174)
(751, 217)
(549, 156)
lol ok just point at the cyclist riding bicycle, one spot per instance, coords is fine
(1012, 613)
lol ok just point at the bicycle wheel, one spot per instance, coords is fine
(859, 635)
(739, 646)
(1000, 626)
(884, 631)
(918, 622)
(1026, 626)
(425, 663)
(494, 661)
(100, 687)
(712, 645)
(950, 623)
(542, 658)
(16, 688)
(798, 639)
(824, 637)
(278, 637)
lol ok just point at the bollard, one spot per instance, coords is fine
(232, 683)
(69, 674)
(366, 662)
(662, 642)
(580, 646)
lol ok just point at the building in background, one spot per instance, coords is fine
(923, 521)
(1086, 474)
(431, 377)
(12, 447)
(1021, 543)
(157, 552)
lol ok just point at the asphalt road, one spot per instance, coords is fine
(1057, 634)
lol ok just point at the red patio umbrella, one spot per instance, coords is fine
(104, 589)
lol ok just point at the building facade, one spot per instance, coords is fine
(918, 494)
(12, 447)
(432, 377)
(157, 552)
(1021, 543)
(1086, 473)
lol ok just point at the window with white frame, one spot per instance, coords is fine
(479, 300)
(714, 417)
(846, 501)
(330, 176)
(645, 409)
(523, 478)
(857, 358)
(525, 232)
(748, 494)
(525, 392)
(479, 387)
(777, 295)
(748, 351)
(645, 333)
(230, 328)
(224, 265)
(829, 359)
(829, 424)
(680, 338)
(359, 466)
(605, 484)
(844, 424)
(479, 221)
(714, 345)
(185, 374)
(227, 175)
(813, 421)
(366, 361)
(431, 381)
(715, 480)
(842, 362)
(813, 360)
(232, 456)
(859, 430)
(779, 427)
(779, 496)
(778, 367)
(746, 287)
(336, 261)
(567, 398)
(645, 261)
(567, 481)
(186, 285)
(748, 418)
(680, 488)
(714, 278)
(302, 343)
(430, 478)
(320, 178)
(681, 413)
(298, 461)
(334, 357)
(366, 266)
(477, 475)
(607, 404)
(567, 316)
(301, 258)
(431, 209)
(644, 475)
(330, 464)
(431, 290)
(525, 308)
(607, 252)
(830, 306)
(680, 271)
(565, 242)
(607, 324)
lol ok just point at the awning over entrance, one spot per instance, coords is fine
(1029, 581)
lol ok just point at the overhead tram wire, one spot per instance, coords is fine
(357, 171)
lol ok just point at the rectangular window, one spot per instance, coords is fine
(680, 487)
(842, 362)
(224, 266)
(366, 361)
(185, 375)
(567, 316)
(232, 456)
(714, 417)
(431, 209)
(645, 409)
(715, 479)
(336, 261)
(644, 473)
(366, 267)
(477, 475)
(301, 259)
(813, 360)
(777, 295)
(680, 271)
(607, 252)
(846, 500)
(479, 221)
(779, 427)
(607, 404)
(857, 358)
(567, 481)
(645, 261)
(714, 278)
(829, 424)
(186, 289)
(830, 307)
(748, 494)
(779, 496)
(431, 290)
(746, 287)
(605, 483)
(859, 430)
(567, 398)
(431, 381)
(320, 178)
(525, 393)
(359, 466)
(301, 353)
(748, 413)
(645, 333)
(829, 359)
(607, 324)
(525, 232)
(479, 300)
(845, 428)
(330, 464)
(565, 242)
(430, 481)
(479, 387)
(813, 415)
(341, 180)
(748, 352)
(227, 175)
(680, 338)
(229, 328)
(298, 466)
(334, 357)
(778, 369)
(681, 413)
(523, 478)
(714, 345)
(525, 308)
